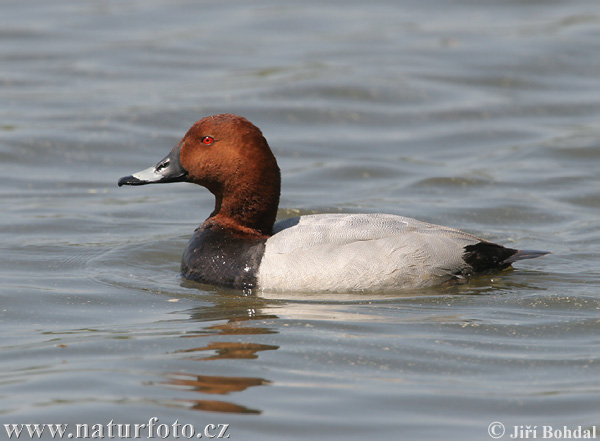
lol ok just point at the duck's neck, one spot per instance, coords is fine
(248, 210)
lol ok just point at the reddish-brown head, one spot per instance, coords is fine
(229, 156)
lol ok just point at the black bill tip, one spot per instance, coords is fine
(130, 180)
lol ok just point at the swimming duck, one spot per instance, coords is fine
(241, 246)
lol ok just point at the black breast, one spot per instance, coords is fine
(219, 257)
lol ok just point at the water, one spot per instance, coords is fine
(477, 115)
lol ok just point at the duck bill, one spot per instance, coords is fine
(168, 169)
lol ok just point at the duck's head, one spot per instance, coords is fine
(229, 156)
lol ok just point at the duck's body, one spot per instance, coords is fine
(240, 246)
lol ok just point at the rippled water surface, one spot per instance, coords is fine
(479, 115)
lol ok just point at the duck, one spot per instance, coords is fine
(241, 246)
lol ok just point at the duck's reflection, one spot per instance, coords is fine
(210, 384)
(232, 350)
(225, 333)
(228, 317)
(230, 330)
(237, 325)
(214, 385)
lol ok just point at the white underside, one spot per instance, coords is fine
(360, 252)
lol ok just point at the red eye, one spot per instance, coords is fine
(208, 140)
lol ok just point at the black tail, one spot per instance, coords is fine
(487, 256)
